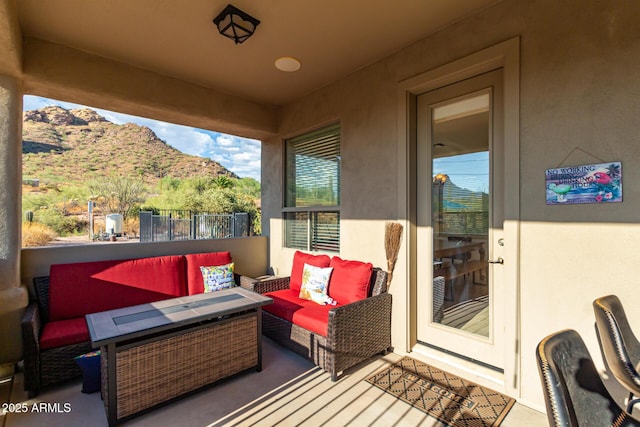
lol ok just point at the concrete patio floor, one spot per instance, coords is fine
(289, 391)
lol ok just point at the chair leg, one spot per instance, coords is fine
(631, 402)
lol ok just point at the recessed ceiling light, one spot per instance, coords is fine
(288, 64)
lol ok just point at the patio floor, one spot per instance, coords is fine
(289, 391)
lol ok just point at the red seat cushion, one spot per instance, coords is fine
(61, 333)
(349, 280)
(299, 260)
(195, 283)
(304, 313)
(89, 287)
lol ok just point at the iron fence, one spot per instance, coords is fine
(188, 226)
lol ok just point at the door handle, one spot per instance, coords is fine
(500, 260)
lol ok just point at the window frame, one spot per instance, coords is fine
(312, 211)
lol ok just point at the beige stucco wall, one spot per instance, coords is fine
(579, 90)
(59, 72)
(13, 297)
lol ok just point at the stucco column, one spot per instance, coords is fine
(13, 297)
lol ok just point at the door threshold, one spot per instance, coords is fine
(477, 372)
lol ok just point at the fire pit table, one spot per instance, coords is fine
(152, 353)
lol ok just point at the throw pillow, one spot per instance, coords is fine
(299, 260)
(195, 283)
(314, 284)
(89, 364)
(217, 277)
(350, 280)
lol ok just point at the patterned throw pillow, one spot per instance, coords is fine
(314, 284)
(218, 277)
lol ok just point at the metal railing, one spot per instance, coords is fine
(462, 222)
(158, 228)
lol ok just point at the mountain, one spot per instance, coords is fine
(67, 146)
(455, 199)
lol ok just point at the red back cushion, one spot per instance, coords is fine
(195, 284)
(349, 280)
(299, 260)
(88, 287)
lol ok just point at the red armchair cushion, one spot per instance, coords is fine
(350, 280)
(64, 332)
(195, 284)
(89, 287)
(299, 260)
(304, 313)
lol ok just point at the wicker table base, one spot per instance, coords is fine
(157, 365)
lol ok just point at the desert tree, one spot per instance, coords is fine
(117, 194)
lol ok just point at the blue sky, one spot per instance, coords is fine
(239, 155)
(470, 171)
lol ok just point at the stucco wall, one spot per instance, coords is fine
(13, 298)
(580, 90)
(60, 72)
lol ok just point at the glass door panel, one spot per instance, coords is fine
(460, 211)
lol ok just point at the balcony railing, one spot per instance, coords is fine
(157, 228)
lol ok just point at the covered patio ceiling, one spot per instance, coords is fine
(331, 38)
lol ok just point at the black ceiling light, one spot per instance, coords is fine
(235, 24)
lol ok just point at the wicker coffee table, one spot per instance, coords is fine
(152, 353)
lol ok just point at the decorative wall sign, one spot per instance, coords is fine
(600, 183)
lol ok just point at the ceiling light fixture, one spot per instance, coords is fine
(288, 64)
(235, 24)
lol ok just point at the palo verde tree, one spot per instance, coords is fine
(117, 194)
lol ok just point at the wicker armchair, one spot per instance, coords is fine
(43, 368)
(356, 331)
(46, 367)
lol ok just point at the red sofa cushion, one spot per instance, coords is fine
(64, 332)
(195, 284)
(89, 287)
(304, 313)
(299, 260)
(349, 280)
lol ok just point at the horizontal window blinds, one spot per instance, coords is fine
(313, 169)
(312, 195)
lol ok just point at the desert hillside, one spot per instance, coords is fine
(69, 146)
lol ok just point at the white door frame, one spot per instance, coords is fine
(505, 55)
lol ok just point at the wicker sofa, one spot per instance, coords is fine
(344, 335)
(54, 329)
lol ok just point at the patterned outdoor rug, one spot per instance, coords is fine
(447, 397)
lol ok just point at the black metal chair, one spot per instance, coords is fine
(619, 345)
(574, 393)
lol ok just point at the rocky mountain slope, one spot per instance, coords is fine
(66, 146)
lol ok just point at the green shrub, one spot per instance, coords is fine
(62, 225)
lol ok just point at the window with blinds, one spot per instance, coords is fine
(312, 192)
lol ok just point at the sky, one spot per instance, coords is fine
(240, 155)
(470, 171)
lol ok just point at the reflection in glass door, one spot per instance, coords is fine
(460, 212)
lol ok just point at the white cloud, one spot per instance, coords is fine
(239, 155)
